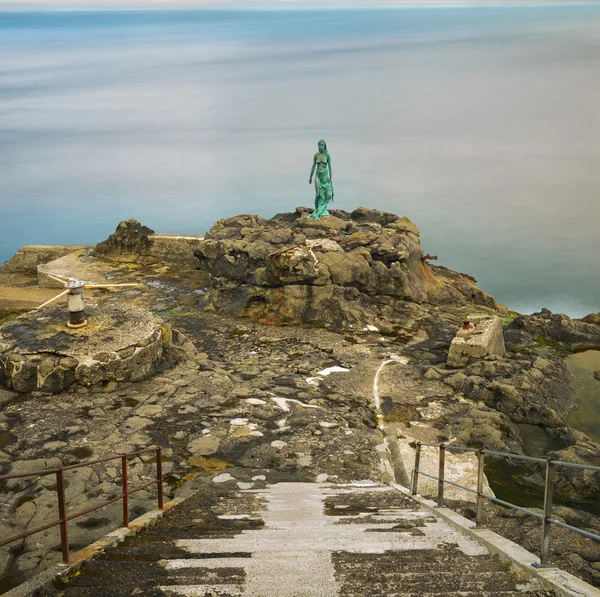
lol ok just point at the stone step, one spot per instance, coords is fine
(291, 540)
(203, 591)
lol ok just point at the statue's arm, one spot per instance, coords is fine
(312, 170)
(329, 165)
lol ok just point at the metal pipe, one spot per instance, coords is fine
(415, 474)
(447, 482)
(159, 487)
(547, 524)
(517, 456)
(503, 503)
(441, 475)
(575, 529)
(124, 490)
(62, 515)
(479, 508)
(587, 467)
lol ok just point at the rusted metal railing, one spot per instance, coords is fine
(63, 517)
(546, 518)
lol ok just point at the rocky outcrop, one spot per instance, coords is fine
(129, 243)
(134, 243)
(554, 329)
(344, 271)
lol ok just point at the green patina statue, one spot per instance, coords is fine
(323, 184)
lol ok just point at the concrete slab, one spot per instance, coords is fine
(77, 264)
(27, 258)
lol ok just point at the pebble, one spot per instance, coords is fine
(278, 444)
(322, 477)
(187, 409)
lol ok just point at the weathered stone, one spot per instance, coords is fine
(484, 339)
(205, 445)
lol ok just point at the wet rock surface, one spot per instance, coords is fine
(245, 403)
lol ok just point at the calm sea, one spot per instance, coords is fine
(480, 124)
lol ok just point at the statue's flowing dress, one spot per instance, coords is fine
(323, 187)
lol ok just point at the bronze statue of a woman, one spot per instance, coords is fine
(323, 184)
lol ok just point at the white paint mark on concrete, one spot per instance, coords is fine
(223, 478)
(278, 444)
(283, 403)
(334, 369)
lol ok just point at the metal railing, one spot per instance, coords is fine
(63, 517)
(546, 518)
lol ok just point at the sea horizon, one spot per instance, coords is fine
(479, 124)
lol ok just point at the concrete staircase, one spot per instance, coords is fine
(297, 540)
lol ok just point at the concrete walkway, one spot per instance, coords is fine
(298, 540)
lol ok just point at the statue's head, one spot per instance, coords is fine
(322, 145)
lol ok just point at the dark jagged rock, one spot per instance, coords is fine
(554, 329)
(129, 243)
(343, 271)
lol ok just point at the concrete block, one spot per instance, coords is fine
(483, 339)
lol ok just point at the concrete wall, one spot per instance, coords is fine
(175, 248)
(26, 259)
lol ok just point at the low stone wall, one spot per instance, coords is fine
(174, 248)
(26, 259)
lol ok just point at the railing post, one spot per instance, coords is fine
(415, 473)
(479, 509)
(125, 490)
(440, 497)
(546, 525)
(62, 515)
(159, 479)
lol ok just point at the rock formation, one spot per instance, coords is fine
(347, 270)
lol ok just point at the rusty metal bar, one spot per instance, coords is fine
(159, 488)
(62, 515)
(90, 463)
(48, 471)
(140, 487)
(29, 533)
(442, 466)
(62, 507)
(479, 508)
(124, 490)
